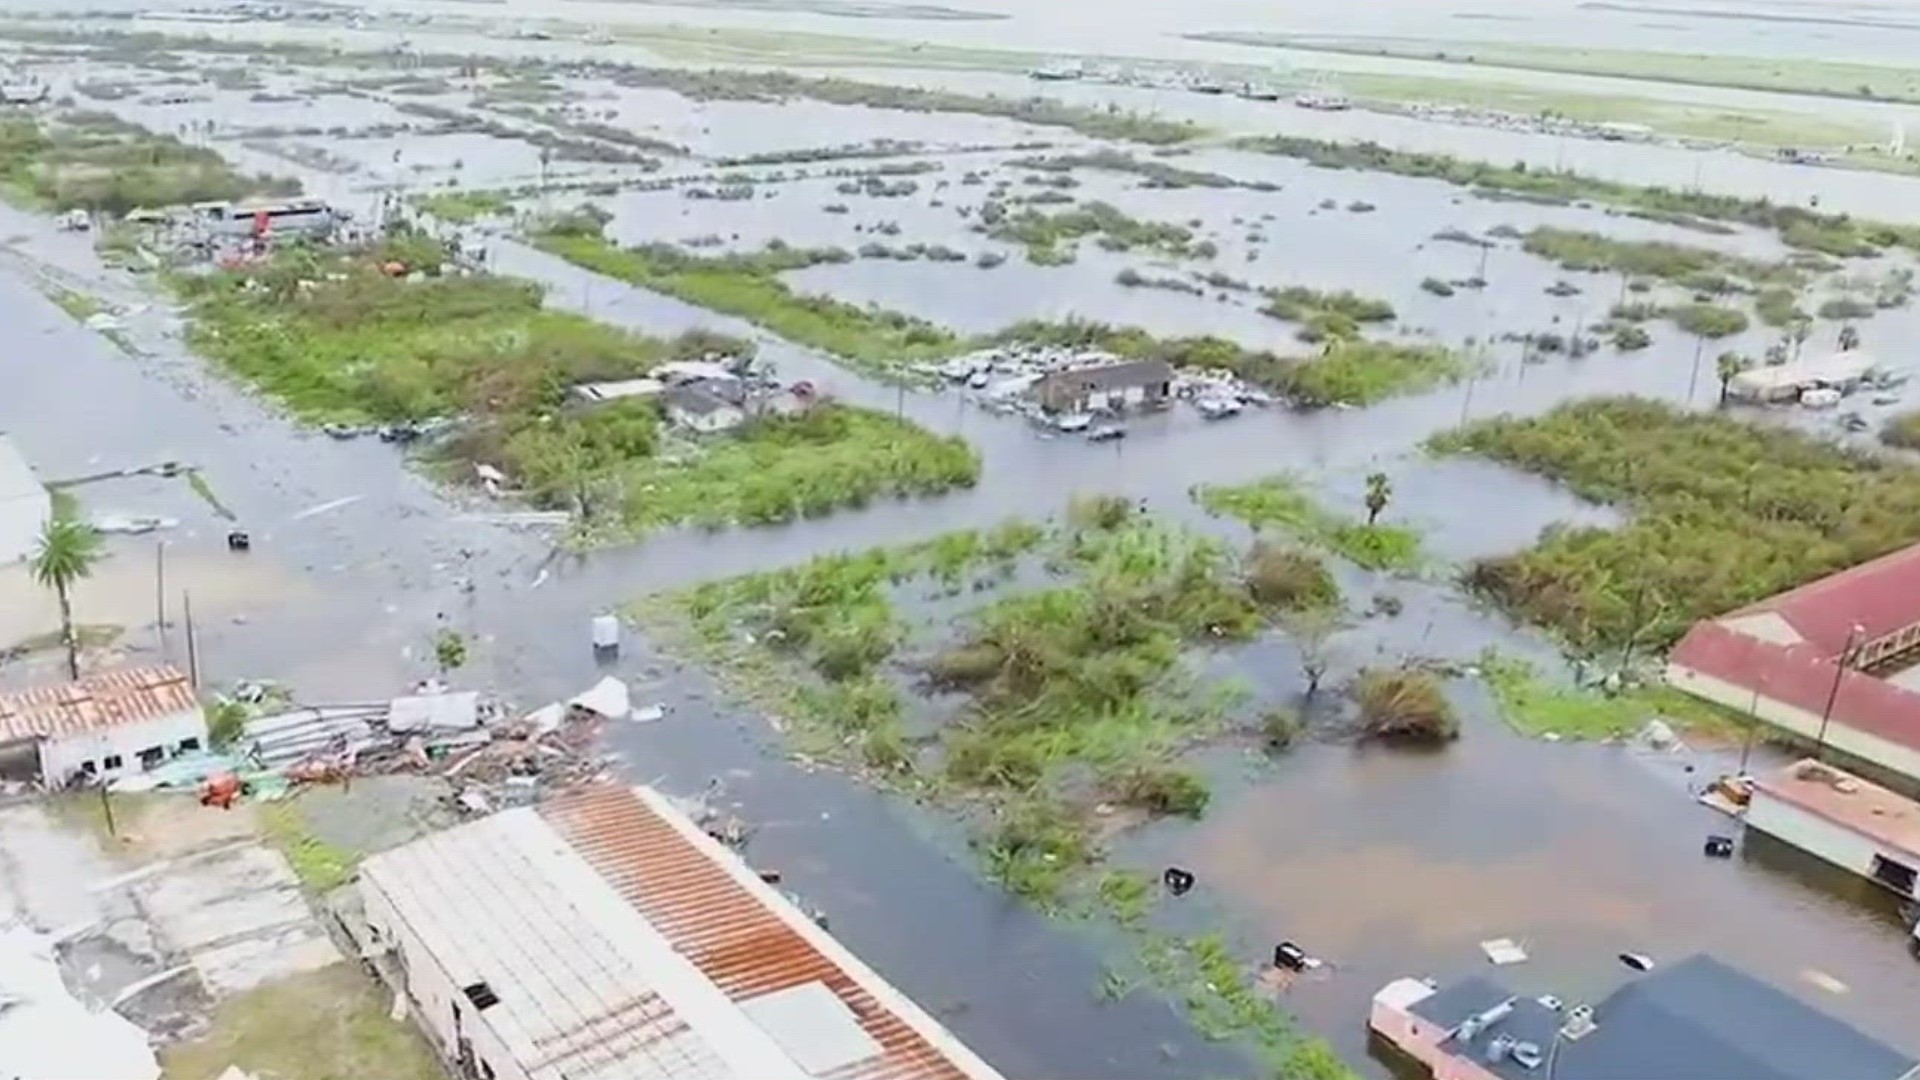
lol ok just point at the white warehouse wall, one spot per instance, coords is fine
(61, 755)
(1816, 835)
(1867, 747)
(432, 989)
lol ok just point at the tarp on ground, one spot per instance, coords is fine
(608, 698)
(453, 711)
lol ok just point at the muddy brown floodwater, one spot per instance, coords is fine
(1385, 864)
(1391, 863)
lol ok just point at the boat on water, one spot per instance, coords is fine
(1063, 71)
(1259, 92)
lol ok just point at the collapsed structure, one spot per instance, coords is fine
(1833, 661)
(602, 936)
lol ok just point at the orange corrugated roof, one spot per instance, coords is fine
(103, 700)
(735, 937)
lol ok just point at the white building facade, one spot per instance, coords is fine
(25, 506)
(1852, 823)
(107, 725)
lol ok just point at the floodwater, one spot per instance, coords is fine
(1384, 863)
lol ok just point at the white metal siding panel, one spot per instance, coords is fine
(61, 755)
(1811, 833)
(1867, 747)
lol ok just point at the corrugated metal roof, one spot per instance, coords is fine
(103, 700)
(1800, 675)
(1880, 596)
(579, 994)
(741, 934)
(16, 478)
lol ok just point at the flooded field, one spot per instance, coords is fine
(1385, 862)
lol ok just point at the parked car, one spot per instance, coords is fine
(1073, 422)
(1106, 433)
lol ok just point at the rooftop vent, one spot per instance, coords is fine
(1579, 1023)
(481, 995)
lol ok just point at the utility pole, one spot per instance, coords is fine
(193, 653)
(1840, 666)
(160, 592)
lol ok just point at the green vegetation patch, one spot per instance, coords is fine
(1152, 172)
(1807, 230)
(1279, 502)
(1365, 372)
(98, 162)
(1709, 320)
(337, 338)
(1076, 691)
(1536, 705)
(330, 1024)
(462, 207)
(740, 85)
(805, 465)
(1049, 238)
(1902, 430)
(1576, 250)
(320, 866)
(1724, 513)
(748, 286)
(1325, 315)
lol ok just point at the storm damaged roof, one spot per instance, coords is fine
(612, 940)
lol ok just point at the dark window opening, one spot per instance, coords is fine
(1897, 876)
(111, 761)
(152, 756)
(192, 743)
(481, 995)
(89, 768)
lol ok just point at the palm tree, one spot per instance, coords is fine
(67, 553)
(1379, 492)
(1727, 365)
(1801, 330)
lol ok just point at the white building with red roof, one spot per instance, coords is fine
(106, 725)
(1845, 648)
(603, 936)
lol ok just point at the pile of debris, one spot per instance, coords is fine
(492, 757)
(1025, 378)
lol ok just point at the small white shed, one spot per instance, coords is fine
(24, 505)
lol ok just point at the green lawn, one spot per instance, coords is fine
(330, 1024)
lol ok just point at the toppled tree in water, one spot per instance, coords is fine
(1405, 705)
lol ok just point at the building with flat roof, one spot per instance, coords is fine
(1853, 823)
(1846, 647)
(602, 936)
(25, 506)
(103, 726)
(1694, 1020)
(1108, 385)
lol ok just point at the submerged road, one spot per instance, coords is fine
(339, 599)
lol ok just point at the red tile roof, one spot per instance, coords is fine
(1880, 596)
(107, 699)
(1801, 675)
(735, 932)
